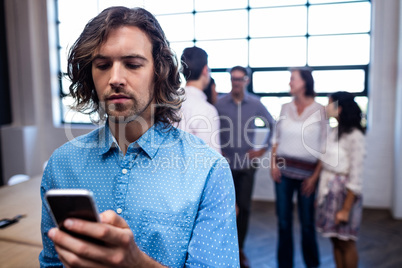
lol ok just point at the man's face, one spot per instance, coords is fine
(239, 81)
(123, 74)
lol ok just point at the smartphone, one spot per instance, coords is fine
(72, 203)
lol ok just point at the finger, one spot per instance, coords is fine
(69, 259)
(71, 243)
(110, 217)
(107, 232)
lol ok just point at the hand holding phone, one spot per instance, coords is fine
(72, 203)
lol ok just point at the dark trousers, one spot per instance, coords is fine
(243, 183)
(284, 209)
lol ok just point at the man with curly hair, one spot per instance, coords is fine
(163, 201)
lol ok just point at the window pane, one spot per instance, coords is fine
(276, 21)
(271, 82)
(324, 19)
(167, 7)
(271, 3)
(170, 24)
(339, 80)
(73, 19)
(225, 54)
(69, 32)
(330, 1)
(363, 104)
(322, 100)
(339, 50)
(71, 116)
(178, 47)
(278, 52)
(221, 25)
(65, 82)
(274, 105)
(68, 10)
(202, 5)
(222, 81)
(63, 60)
(102, 4)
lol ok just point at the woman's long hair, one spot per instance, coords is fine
(350, 116)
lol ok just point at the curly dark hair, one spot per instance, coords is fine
(167, 79)
(351, 114)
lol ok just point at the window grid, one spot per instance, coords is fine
(248, 38)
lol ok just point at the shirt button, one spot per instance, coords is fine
(124, 171)
(119, 210)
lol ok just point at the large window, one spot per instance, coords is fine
(268, 36)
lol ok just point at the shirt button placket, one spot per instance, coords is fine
(121, 189)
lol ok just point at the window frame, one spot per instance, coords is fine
(194, 41)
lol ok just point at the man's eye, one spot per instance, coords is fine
(133, 66)
(102, 66)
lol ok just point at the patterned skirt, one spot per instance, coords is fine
(333, 202)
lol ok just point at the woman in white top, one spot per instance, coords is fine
(339, 202)
(297, 145)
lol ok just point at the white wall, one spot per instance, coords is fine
(397, 187)
(33, 136)
(379, 168)
(29, 141)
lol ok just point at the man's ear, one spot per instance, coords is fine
(247, 80)
(205, 70)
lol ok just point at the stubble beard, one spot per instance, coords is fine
(122, 113)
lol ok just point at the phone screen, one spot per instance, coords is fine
(72, 203)
(71, 206)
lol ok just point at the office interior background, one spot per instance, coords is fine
(351, 45)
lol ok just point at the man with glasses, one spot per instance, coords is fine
(238, 111)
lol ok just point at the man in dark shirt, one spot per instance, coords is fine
(238, 111)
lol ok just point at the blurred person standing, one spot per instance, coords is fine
(210, 92)
(238, 111)
(300, 130)
(199, 117)
(339, 200)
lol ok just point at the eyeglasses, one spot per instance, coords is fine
(238, 79)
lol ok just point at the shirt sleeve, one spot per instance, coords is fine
(356, 152)
(48, 256)
(214, 240)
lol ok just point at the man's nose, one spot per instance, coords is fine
(117, 75)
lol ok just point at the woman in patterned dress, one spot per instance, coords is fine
(339, 200)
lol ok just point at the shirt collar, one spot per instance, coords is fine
(150, 141)
(106, 139)
(246, 97)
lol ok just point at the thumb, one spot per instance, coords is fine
(110, 217)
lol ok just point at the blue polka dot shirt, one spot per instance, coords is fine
(175, 193)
